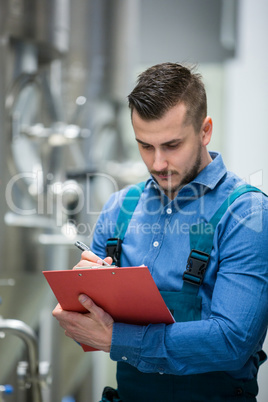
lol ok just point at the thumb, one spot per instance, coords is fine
(109, 260)
(86, 301)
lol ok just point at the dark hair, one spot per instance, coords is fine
(163, 86)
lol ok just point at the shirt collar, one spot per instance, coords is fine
(209, 177)
(212, 173)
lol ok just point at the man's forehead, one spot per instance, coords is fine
(171, 127)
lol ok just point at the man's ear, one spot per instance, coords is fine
(206, 130)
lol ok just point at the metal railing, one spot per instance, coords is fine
(29, 374)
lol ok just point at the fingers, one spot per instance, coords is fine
(89, 259)
(57, 310)
(87, 302)
(85, 263)
(93, 328)
(92, 308)
(67, 319)
(61, 314)
(109, 260)
(89, 256)
(95, 311)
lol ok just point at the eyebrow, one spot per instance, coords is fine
(171, 142)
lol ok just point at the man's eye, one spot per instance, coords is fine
(147, 147)
(173, 146)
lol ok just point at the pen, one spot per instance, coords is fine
(84, 247)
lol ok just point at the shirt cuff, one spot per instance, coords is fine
(126, 343)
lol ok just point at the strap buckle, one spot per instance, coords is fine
(196, 267)
(113, 249)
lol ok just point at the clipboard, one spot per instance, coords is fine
(128, 294)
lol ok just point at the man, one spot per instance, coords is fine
(213, 351)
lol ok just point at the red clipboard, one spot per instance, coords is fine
(128, 294)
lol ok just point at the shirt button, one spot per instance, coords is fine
(156, 244)
(124, 358)
(239, 391)
(169, 211)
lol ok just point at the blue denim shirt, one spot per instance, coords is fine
(235, 289)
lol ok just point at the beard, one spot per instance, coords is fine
(170, 189)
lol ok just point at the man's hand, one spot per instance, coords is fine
(93, 328)
(88, 258)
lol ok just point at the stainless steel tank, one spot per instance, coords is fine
(51, 53)
(45, 23)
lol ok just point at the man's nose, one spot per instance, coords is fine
(160, 161)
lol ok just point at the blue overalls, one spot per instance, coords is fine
(135, 386)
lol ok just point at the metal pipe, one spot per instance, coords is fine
(23, 331)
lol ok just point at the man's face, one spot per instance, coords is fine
(172, 151)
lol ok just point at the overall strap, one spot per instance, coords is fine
(113, 246)
(201, 241)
